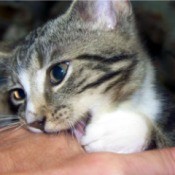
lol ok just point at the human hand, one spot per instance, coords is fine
(25, 153)
(22, 151)
(157, 162)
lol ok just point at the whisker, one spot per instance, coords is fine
(3, 79)
(9, 118)
(8, 127)
(70, 126)
(71, 130)
(20, 126)
(4, 118)
(8, 121)
(11, 124)
(8, 124)
(11, 115)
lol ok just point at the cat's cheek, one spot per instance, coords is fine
(127, 133)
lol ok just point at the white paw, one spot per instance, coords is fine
(118, 132)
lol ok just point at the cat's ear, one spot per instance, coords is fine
(4, 61)
(5, 54)
(5, 50)
(104, 14)
(4, 79)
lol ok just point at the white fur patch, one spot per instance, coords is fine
(25, 81)
(30, 113)
(36, 82)
(40, 79)
(121, 132)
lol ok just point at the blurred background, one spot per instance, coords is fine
(155, 20)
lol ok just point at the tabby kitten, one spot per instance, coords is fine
(87, 72)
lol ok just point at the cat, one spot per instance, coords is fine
(87, 72)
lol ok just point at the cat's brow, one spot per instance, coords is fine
(101, 80)
(114, 59)
(56, 56)
(125, 72)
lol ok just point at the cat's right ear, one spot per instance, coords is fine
(3, 55)
(5, 108)
(5, 50)
(4, 61)
(102, 14)
(3, 69)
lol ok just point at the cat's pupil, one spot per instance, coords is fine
(58, 73)
(18, 94)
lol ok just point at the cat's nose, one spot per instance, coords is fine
(38, 124)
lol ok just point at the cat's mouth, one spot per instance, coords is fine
(79, 129)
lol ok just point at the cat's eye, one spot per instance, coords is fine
(58, 73)
(17, 96)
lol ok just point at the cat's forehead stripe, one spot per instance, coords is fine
(110, 60)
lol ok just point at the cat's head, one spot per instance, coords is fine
(81, 64)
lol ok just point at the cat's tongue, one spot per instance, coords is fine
(79, 129)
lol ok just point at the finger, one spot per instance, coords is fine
(159, 162)
(28, 151)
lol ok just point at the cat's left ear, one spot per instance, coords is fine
(104, 14)
(4, 77)
(5, 54)
(5, 50)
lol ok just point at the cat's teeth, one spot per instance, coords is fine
(79, 130)
(80, 127)
(78, 134)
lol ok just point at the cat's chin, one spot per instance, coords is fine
(35, 130)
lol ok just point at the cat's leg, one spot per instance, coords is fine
(120, 132)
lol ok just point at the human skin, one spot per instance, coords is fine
(25, 153)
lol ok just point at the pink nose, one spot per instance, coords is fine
(38, 124)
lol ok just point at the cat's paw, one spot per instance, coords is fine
(124, 133)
